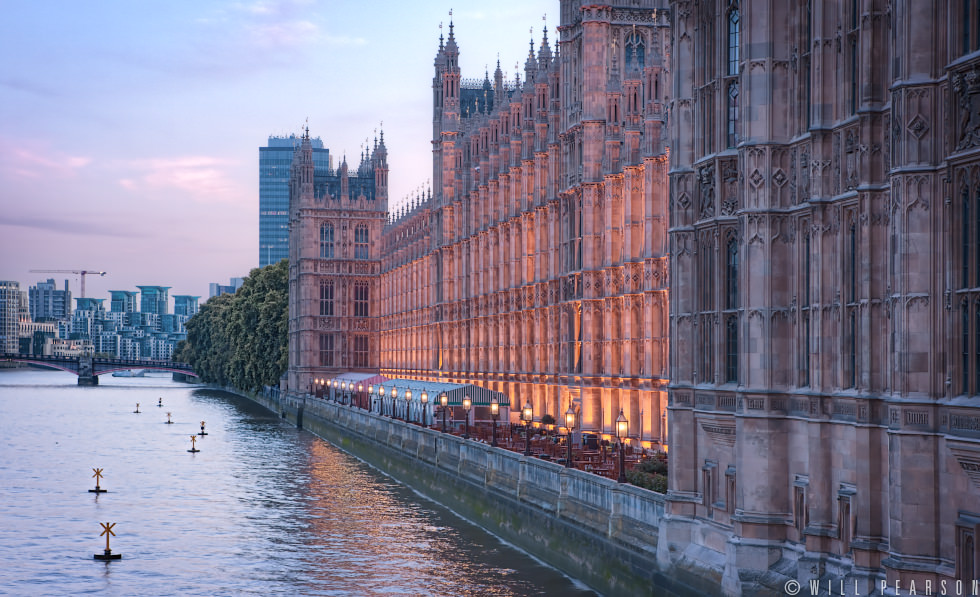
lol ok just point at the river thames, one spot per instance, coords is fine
(263, 508)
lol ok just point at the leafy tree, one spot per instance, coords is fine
(650, 473)
(241, 339)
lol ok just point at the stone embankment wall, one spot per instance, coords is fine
(596, 530)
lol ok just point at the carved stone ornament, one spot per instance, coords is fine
(706, 179)
(966, 86)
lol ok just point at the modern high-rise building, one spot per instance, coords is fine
(9, 316)
(123, 301)
(185, 305)
(214, 289)
(154, 300)
(274, 162)
(47, 302)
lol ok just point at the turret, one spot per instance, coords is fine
(380, 162)
(344, 181)
(530, 65)
(499, 93)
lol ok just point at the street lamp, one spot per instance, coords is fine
(425, 400)
(527, 414)
(408, 404)
(494, 414)
(336, 384)
(371, 397)
(622, 428)
(394, 401)
(444, 403)
(467, 405)
(360, 390)
(569, 424)
(381, 400)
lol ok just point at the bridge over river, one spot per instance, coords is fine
(88, 368)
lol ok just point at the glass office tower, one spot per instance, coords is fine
(274, 161)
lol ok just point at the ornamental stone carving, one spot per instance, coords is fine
(966, 86)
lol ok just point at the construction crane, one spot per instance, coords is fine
(78, 272)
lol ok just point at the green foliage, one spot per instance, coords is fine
(547, 419)
(650, 473)
(654, 482)
(241, 339)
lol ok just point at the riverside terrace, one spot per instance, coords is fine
(483, 415)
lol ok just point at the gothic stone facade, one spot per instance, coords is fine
(825, 278)
(538, 266)
(335, 221)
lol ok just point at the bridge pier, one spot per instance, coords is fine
(86, 372)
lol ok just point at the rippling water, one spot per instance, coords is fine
(263, 508)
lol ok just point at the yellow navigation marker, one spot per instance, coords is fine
(107, 532)
(193, 444)
(97, 475)
(169, 422)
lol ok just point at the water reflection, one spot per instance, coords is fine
(264, 508)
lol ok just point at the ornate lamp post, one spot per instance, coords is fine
(527, 414)
(444, 403)
(622, 429)
(467, 405)
(408, 405)
(336, 385)
(360, 390)
(425, 401)
(494, 414)
(381, 400)
(394, 401)
(371, 397)
(569, 424)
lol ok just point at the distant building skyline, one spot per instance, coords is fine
(231, 288)
(45, 300)
(9, 320)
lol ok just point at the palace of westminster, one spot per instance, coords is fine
(753, 226)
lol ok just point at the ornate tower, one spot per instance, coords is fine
(336, 221)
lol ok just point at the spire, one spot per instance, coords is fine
(544, 52)
(498, 85)
(531, 64)
(451, 42)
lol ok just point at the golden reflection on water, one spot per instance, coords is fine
(357, 521)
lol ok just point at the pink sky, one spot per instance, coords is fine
(129, 131)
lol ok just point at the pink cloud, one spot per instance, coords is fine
(203, 178)
(23, 162)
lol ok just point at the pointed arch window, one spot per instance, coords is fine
(850, 337)
(634, 49)
(734, 32)
(731, 282)
(804, 349)
(361, 242)
(731, 349)
(733, 113)
(326, 298)
(326, 240)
